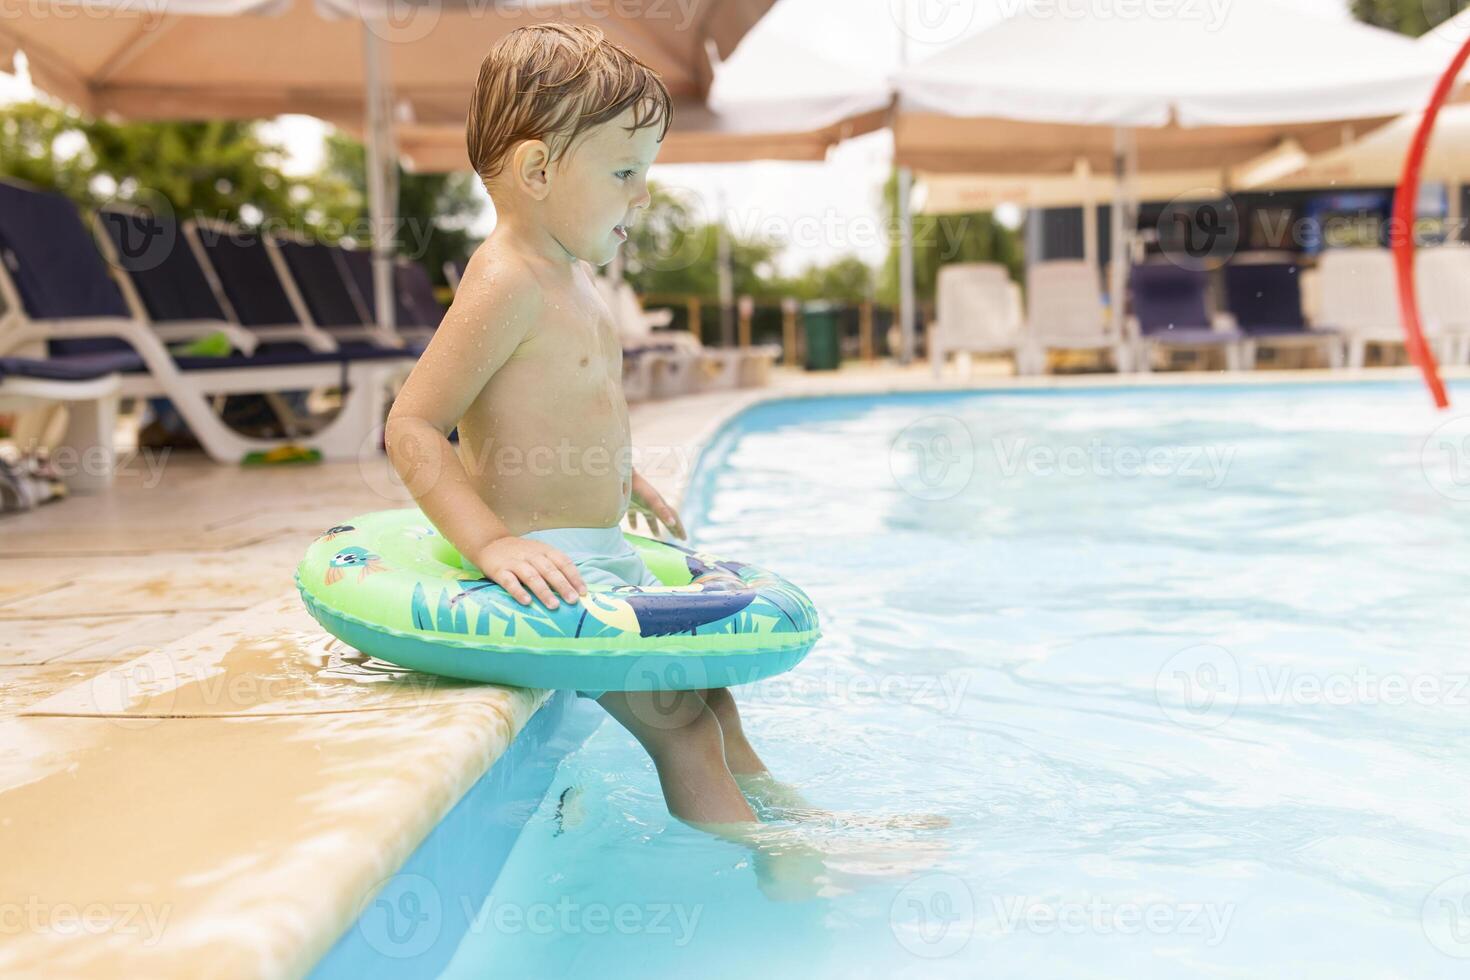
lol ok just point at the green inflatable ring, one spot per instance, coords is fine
(390, 585)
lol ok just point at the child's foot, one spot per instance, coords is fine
(795, 865)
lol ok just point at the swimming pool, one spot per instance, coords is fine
(1186, 669)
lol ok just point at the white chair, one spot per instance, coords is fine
(1359, 295)
(91, 400)
(653, 365)
(1065, 312)
(1442, 275)
(977, 311)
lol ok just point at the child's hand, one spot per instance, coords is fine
(650, 503)
(517, 564)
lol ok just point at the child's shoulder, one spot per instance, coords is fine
(500, 272)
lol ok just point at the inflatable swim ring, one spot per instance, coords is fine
(391, 586)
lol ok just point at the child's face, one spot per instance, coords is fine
(598, 186)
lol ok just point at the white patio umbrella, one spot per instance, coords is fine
(732, 133)
(379, 61)
(1375, 160)
(1036, 92)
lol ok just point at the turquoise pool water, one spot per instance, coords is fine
(1185, 668)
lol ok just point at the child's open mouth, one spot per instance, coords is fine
(621, 232)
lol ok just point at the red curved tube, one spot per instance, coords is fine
(1403, 245)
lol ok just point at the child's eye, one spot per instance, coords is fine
(625, 174)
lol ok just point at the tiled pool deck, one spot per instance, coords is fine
(194, 779)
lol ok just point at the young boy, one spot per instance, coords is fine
(527, 364)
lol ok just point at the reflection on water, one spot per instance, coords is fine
(1185, 669)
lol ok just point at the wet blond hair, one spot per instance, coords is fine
(553, 82)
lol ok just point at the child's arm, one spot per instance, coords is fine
(647, 501)
(480, 331)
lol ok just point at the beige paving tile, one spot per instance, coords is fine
(36, 641)
(22, 586)
(236, 847)
(272, 659)
(26, 685)
(141, 635)
(232, 578)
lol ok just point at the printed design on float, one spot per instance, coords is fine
(733, 597)
(353, 558)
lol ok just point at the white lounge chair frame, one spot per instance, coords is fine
(1065, 312)
(978, 311)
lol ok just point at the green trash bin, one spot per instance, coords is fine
(819, 321)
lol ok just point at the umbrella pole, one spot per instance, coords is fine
(382, 194)
(1118, 264)
(905, 267)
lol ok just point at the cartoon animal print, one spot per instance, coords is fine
(349, 558)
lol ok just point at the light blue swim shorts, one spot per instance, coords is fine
(603, 558)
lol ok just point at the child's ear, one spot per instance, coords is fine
(531, 164)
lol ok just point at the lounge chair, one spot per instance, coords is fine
(1171, 312)
(1442, 274)
(318, 274)
(1065, 312)
(654, 365)
(416, 293)
(89, 391)
(359, 265)
(55, 289)
(978, 311)
(1360, 297)
(1265, 299)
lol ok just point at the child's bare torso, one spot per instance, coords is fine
(546, 442)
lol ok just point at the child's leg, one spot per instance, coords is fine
(772, 797)
(739, 755)
(682, 735)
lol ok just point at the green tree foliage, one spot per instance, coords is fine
(218, 169)
(672, 250)
(435, 211)
(846, 280)
(1411, 17)
(223, 170)
(942, 239)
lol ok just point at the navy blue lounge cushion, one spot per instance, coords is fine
(286, 355)
(359, 265)
(72, 367)
(416, 293)
(249, 279)
(1265, 298)
(161, 265)
(1168, 299)
(325, 284)
(52, 259)
(55, 266)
